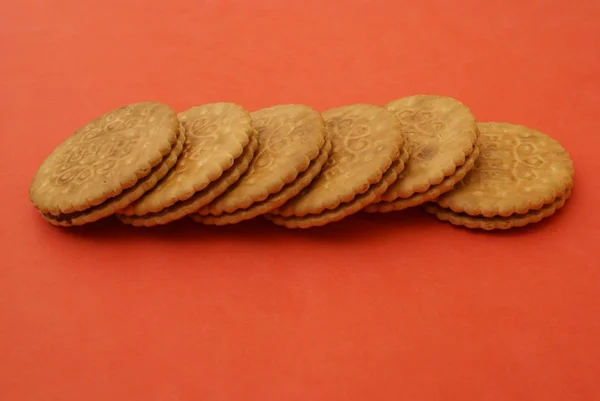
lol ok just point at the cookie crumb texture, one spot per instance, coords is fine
(299, 168)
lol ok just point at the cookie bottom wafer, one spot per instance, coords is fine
(431, 194)
(125, 198)
(345, 209)
(499, 222)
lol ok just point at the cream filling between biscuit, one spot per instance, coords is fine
(532, 212)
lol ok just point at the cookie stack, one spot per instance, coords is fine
(218, 164)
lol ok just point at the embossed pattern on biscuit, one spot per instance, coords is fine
(104, 157)
(216, 135)
(366, 140)
(440, 134)
(290, 137)
(519, 169)
(125, 198)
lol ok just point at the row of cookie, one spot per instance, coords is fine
(295, 166)
(522, 176)
(299, 167)
(216, 162)
(439, 137)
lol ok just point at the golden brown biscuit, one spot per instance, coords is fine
(121, 201)
(103, 159)
(367, 141)
(291, 141)
(519, 169)
(216, 136)
(520, 177)
(441, 133)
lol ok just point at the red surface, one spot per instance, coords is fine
(394, 307)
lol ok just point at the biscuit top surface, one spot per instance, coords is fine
(289, 138)
(440, 133)
(215, 135)
(103, 157)
(518, 169)
(366, 140)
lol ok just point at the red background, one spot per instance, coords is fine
(390, 307)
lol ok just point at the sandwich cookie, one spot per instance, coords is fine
(219, 146)
(292, 149)
(366, 158)
(441, 135)
(521, 176)
(107, 164)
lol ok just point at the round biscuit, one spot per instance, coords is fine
(519, 169)
(440, 134)
(104, 157)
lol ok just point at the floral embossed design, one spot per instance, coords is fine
(289, 138)
(215, 135)
(366, 140)
(113, 136)
(517, 165)
(440, 132)
(103, 155)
